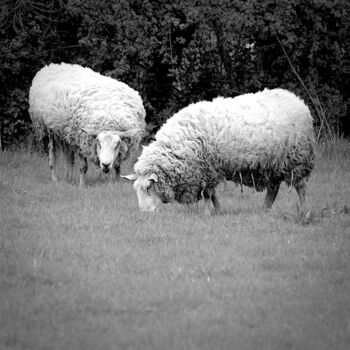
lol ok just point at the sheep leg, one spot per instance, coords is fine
(117, 164)
(215, 201)
(210, 194)
(300, 187)
(117, 171)
(52, 158)
(70, 164)
(272, 190)
(206, 196)
(83, 170)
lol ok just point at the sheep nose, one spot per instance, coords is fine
(105, 167)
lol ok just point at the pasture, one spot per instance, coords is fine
(84, 269)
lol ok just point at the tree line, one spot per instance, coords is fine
(175, 52)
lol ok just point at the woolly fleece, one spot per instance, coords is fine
(64, 98)
(252, 139)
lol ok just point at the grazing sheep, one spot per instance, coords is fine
(256, 140)
(99, 117)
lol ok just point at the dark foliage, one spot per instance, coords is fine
(181, 51)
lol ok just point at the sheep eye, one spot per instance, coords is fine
(148, 187)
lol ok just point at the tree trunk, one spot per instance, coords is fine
(224, 52)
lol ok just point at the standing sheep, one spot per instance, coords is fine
(99, 117)
(256, 140)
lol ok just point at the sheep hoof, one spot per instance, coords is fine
(82, 185)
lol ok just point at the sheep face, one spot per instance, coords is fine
(144, 186)
(108, 146)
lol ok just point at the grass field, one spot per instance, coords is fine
(84, 269)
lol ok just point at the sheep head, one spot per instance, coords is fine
(109, 145)
(146, 194)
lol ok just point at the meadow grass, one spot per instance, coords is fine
(84, 269)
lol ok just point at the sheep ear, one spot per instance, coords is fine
(151, 127)
(131, 177)
(89, 132)
(149, 134)
(153, 177)
(127, 134)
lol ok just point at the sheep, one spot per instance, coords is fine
(99, 117)
(257, 140)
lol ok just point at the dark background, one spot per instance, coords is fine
(177, 52)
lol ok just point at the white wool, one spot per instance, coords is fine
(249, 128)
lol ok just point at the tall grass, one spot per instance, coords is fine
(334, 149)
(84, 269)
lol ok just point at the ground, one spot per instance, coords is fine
(84, 269)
